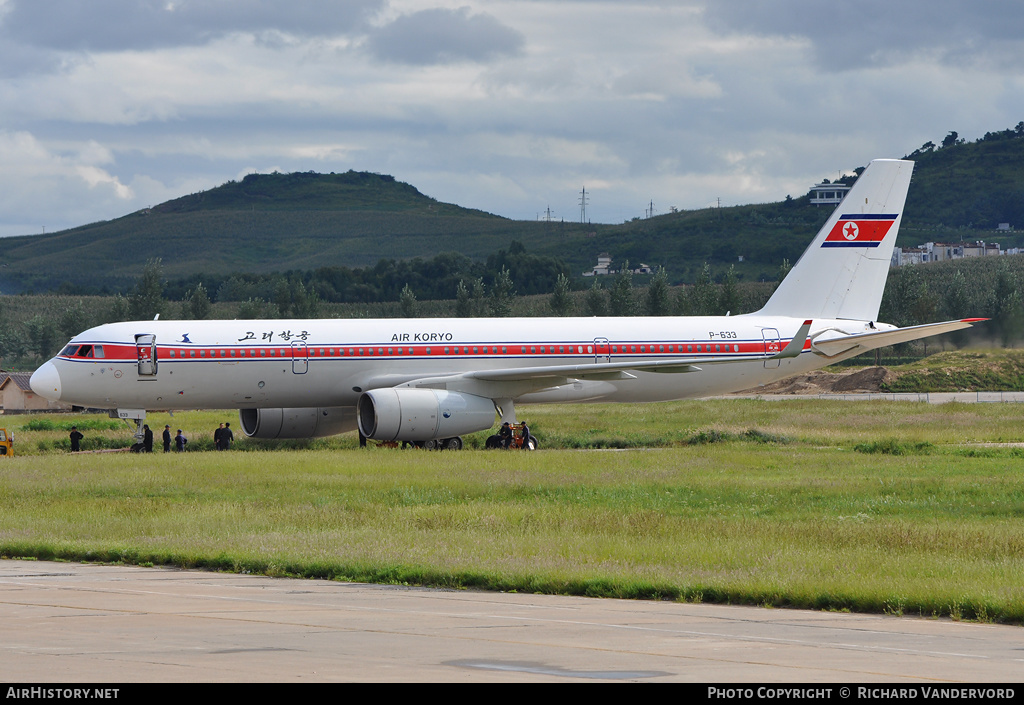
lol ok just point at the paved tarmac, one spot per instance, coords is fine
(68, 622)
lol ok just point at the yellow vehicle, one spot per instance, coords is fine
(6, 442)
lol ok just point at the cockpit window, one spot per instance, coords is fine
(69, 351)
(84, 351)
(97, 351)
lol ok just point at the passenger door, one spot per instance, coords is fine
(145, 347)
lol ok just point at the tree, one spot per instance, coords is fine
(956, 304)
(305, 303)
(561, 302)
(255, 308)
(42, 336)
(407, 301)
(784, 270)
(620, 298)
(147, 300)
(501, 295)
(463, 305)
(479, 297)
(901, 291)
(120, 310)
(702, 294)
(282, 297)
(198, 303)
(729, 296)
(1007, 308)
(73, 320)
(658, 301)
(597, 300)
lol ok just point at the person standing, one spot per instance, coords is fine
(524, 434)
(167, 439)
(180, 441)
(76, 439)
(218, 438)
(147, 439)
(226, 436)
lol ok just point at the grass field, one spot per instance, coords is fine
(892, 507)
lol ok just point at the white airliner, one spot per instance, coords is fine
(433, 380)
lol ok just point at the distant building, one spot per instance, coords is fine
(826, 194)
(604, 266)
(17, 396)
(982, 249)
(944, 251)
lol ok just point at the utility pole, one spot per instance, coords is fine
(583, 205)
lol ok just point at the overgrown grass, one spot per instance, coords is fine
(718, 514)
(609, 426)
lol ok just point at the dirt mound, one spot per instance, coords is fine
(819, 382)
(869, 379)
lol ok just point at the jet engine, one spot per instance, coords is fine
(297, 423)
(421, 414)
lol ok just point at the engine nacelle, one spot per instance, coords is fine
(297, 423)
(421, 414)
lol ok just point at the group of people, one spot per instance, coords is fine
(507, 436)
(222, 438)
(179, 440)
(147, 440)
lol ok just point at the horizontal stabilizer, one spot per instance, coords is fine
(862, 342)
(796, 345)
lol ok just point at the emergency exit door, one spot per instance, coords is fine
(300, 357)
(772, 346)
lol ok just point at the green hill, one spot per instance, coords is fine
(303, 221)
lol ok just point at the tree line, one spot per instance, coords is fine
(33, 328)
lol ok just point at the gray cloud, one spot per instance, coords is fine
(506, 105)
(111, 25)
(880, 32)
(441, 36)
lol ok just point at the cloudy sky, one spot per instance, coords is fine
(509, 106)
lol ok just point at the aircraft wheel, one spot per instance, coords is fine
(430, 445)
(493, 442)
(453, 443)
(531, 444)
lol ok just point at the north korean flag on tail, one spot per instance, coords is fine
(860, 230)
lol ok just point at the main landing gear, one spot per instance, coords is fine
(454, 443)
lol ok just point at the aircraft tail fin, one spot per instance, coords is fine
(842, 274)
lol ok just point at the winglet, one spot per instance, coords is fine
(796, 345)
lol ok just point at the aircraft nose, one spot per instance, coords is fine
(46, 382)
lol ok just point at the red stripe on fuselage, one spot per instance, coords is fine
(128, 353)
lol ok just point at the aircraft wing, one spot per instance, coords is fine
(862, 342)
(513, 381)
(621, 370)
